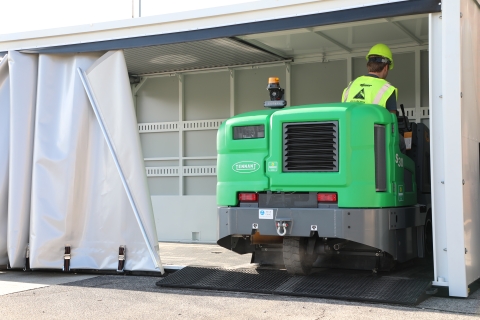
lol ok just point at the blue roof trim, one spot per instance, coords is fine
(403, 8)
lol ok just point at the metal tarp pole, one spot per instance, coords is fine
(93, 102)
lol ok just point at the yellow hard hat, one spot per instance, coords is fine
(381, 50)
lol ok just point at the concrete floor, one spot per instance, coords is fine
(137, 297)
(14, 281)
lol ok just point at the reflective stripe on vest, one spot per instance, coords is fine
(381, 92)
(370, 90)
(345, 96)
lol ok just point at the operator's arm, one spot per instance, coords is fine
(391, 104)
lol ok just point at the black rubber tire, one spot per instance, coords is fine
(295, 256)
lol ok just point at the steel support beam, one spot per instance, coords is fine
(405, 31)
(335, 42)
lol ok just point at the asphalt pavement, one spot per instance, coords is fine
(55, 295)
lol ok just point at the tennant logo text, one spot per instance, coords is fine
(245, 167)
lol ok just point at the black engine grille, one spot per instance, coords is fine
(310, 146)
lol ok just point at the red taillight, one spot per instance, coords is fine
(248, 197)
(327, 197)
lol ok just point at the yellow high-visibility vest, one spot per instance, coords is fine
(370, 90)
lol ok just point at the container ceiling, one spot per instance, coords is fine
(344, 38)
(278, 46)
(195, 55)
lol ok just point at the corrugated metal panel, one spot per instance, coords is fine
(195, 55)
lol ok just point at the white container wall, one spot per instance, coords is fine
(454, 94)
(470, 97)
(4, 152)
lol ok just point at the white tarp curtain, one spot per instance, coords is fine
(77, 197)
(23, 87)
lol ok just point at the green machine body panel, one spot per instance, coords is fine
(257, 164)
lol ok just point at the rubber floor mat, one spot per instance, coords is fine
(241, 280)
(357, 286)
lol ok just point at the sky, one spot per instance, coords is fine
(30, 15)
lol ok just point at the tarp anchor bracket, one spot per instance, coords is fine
(27, 258)
(66, 259)
(122, 252)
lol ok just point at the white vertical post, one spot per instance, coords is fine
(418, 86)
(349, 69)
(136, 8)
(452, 114)
(181, 108)
(232, 92)
(135, 89)
(437, 143)
(288, 96)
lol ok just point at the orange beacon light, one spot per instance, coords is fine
(276, 94)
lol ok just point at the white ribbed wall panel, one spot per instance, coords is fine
(173, 126)
(162, 171)
(158, 127)
(202, 124)
(187, 171)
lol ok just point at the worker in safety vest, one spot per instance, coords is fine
(373, 88)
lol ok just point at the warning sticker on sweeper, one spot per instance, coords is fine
(265, 214)
(408, 140)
